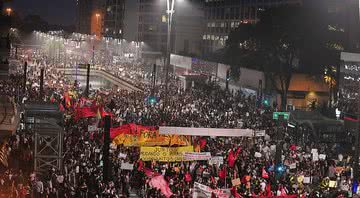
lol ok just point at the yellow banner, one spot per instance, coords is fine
(151, 138)
(164, 154)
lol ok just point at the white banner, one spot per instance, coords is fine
(206, 132)
(216, 160)
(203, 191)
(92, 128)
(260, 133)
(127, 166)
(196, 156)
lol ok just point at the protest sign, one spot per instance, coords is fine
(92, 128)
(306, 180)
(197, 156)
(216, 160)
(260, 133)
(236, 182)
(293, 166)
(315, 157)
(322, 156)
(164, 154)
(127, 166)
(203, 191)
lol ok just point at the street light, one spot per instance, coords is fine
(8, 11)
(170, 13)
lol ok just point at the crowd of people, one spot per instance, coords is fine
(304, 170)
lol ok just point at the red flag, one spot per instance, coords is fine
(141, 165)
(222, 173)
(188, 177)
(264, 174)
(235, 193)
(268, 190)
(202, 143)
(232, 157)
(159, 182)
(61, 107)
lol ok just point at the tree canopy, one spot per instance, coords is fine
(286, 39)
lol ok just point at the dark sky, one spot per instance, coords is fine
(52, 11)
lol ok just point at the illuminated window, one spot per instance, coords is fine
(163, 19)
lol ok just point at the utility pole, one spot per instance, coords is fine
(106, 147)
(154, 78)
(170, 12)
(93, 56)
(41, 84)
(227, 79)
(87, 81)
(24, 83)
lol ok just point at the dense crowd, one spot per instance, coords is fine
(251, 160)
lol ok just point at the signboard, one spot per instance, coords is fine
(276, 115)
(92, 128)
(236, 182)
(212, 132)
(203, 191)
(260, 133)
(216, 160)
(127, 166)
(164, 154)
(196, 156)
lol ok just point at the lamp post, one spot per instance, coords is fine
(170, 13)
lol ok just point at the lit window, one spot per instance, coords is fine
(163, 19)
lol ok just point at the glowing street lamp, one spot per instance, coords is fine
(8, 11)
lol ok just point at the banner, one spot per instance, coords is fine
(203, 191)
(159, 182)
(148, 137)
(195, 156)
(127, 166)
(260, 133)
(164, 154)
(213, 132)
(216, 160)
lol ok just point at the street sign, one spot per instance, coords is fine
(276, 115)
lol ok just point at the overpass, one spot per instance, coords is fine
(103, 74)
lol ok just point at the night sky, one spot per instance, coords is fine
(53, 11)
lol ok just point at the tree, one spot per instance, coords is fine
(277, 45)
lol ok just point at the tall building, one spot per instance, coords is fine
(87, 21)
(114, 14)
(222, 16)
(187, 26)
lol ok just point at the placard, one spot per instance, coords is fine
(292, 166)
(127, 166)
(315, 157)
(322, 156)
(236, 182)
(260, 133)
(197, 156)
(306, 180)
(122, 155)
(164, 154)
(216, 160)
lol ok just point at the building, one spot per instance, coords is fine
(189, 28)
(222, 16)
(87, 21)
(114, 14)
(151, 26)
(5, 45)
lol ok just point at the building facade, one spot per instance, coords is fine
(89, 16)
(187, 26)
(222, 16)
(114, 14)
